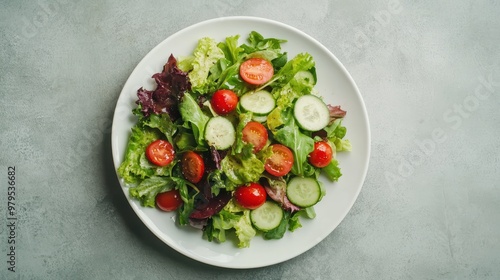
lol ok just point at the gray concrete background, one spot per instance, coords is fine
(429, 72)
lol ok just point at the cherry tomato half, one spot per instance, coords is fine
(322, 154)
(193, 167)
(280, 162)
(224, 101)
(169, 200)
(160, 152)
(250, 196)
(256, 134)
(256, 71)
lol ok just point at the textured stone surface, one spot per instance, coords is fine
(429, 72)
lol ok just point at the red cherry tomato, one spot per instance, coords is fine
(224, 101)
(250, 196)
(160, 152)
(256, 71)
(169, 200)
(280, 162)
(193, 167)
(256, 134)
(322, 154)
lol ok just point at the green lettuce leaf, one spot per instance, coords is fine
(257, 42)
(147, 190)
(244, 230)
(244, 119)
(300, 144)
(132, 169)
(294, 221)
(342, 145)
(332, 171)
(301, 62)
(188, 196)
(163, 123)
(231, 217)
(335, 134)
(192, 113)
(206, 54)
(242, 168)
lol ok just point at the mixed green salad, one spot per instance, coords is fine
(234, 138)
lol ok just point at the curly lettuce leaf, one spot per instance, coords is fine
(244, 230)
(132, 169)
(206, 54)
(335, 134)
(163, 123)
(147, 190)
(244, 167)
(332, 171)
(232, 217)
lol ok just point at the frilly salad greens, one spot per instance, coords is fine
(178, 111)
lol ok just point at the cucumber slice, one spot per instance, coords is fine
(305, 77)
(260, 102)
(267, 217)
(261, 119)
(303, 192)
(311, 113)
(220, 133)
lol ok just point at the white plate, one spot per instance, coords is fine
(335, 85)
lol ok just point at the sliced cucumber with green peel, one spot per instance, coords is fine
(303, 191)
(259, 102)
(220, 133)
(311, 113)
(261, 119)
(267, 217)
(305, 77)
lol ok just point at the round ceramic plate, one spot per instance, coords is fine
(334, 84)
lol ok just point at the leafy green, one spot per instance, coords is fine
(301, 62)
(232, 52)
(232, 217)
(216, 181)
(244, 230)
(188, 198)
(147, 190)
(332, 170)
(244, 167)
(131, 169)
(192, 113)
(294, 221)
(257, 42)
(185, 141)
(244, 119)
(335, 134)
(206, 54)
(342, 145)
(300, 144)
(163, 123)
